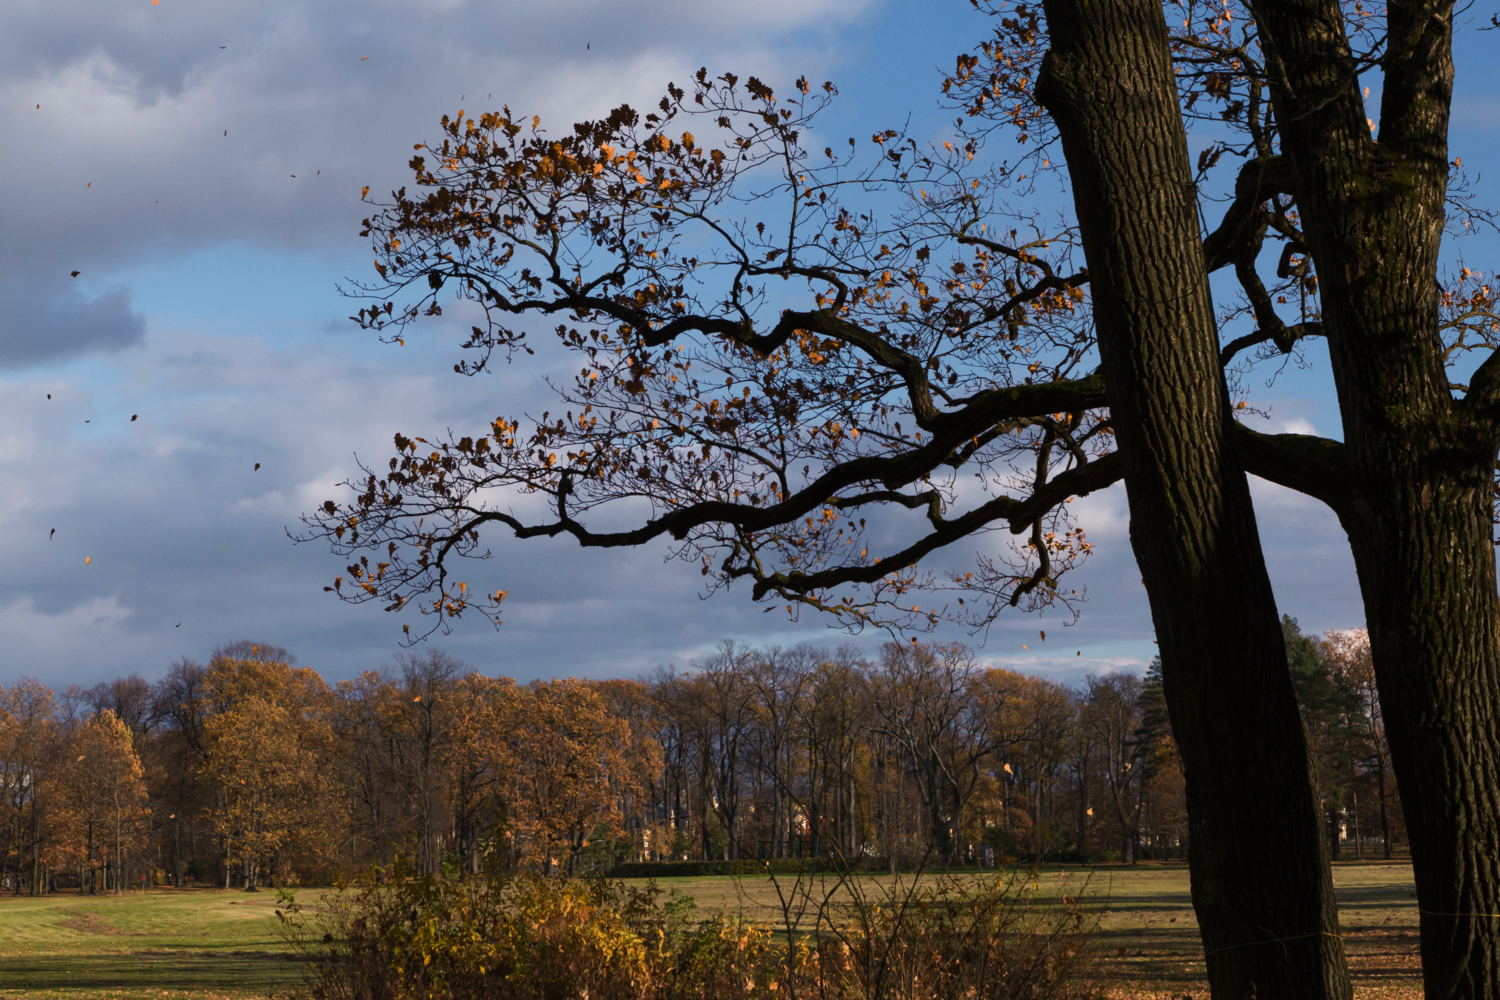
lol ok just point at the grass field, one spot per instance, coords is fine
(198, 943)
(206, 944)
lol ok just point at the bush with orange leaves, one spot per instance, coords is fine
(544, 938)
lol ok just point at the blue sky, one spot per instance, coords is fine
(160, 164)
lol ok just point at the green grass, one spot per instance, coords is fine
(198, 943)
(207, 944)
(1146, 935)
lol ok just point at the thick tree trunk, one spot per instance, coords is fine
(1429, 590)
(1417, 498)
(1260, 878)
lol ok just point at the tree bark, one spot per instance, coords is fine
(1417, 501)
(1260, 879)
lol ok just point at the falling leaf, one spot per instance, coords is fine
(75, 274)
(87, 560)
(363, 58)
(89, 184)
(417, 698)
(257, 467)
(1079, 653)
(51, 533)
(1044, 636)
(133, 416)
(178, 625)
(1024, 646)
(80, 759)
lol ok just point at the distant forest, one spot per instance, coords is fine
(252, 770)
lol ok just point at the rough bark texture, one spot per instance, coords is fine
(1259, 862)
(1419, 462)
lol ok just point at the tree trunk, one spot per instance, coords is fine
(1359, 847)
(1260, 879)
(1385, 822)
(1416, 486)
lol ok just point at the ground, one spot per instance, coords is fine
(208, 944)
(198, 943)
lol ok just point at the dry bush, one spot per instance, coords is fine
(532, 938)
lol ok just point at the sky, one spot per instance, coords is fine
(199, 164)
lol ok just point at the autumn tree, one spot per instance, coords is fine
(268, 764)
(1112, 713)
(264, 742)
(103, 807)
(567, 765)
(29, 749)
(933, 710)
(421, 713)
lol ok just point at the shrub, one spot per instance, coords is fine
(529, 938)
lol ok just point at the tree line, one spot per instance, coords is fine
(251, 769)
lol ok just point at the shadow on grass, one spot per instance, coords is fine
(212, 974)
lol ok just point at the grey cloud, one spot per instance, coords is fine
(42, 321)
(178, 525)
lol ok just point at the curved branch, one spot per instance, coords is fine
(1078, 481)
(986, 409)
(1316, 466)
(1287, 335)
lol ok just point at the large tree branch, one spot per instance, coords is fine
(1078, 481)
(1483, 397)
(944, 533)
(1259, 180)
(1316, 466)
(983, 411)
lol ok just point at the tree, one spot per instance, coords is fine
(29, 750)
(1113, 713)
(267, 762)
(1348, 656)
(567, 764)
(760, 438)
(1328, 708)
(420, 717)
(104, 799)
(931, 707)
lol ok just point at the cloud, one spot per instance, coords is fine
(203, 255)
(43, 321)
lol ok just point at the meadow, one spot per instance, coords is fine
(208, 944)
